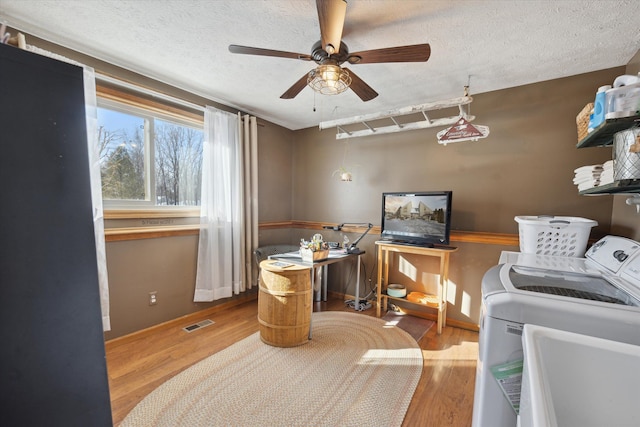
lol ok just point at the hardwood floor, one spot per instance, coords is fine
(444, 396)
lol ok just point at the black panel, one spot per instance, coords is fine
(52, 364)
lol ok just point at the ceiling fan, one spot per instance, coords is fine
(330, 52)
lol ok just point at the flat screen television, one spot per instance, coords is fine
(420, 218)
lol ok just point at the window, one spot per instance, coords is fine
(148, 159)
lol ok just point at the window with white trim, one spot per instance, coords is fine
(148, 159)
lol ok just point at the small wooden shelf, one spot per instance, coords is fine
(385, 248)
(387, 296)
(603, 136)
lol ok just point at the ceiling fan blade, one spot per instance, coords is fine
(294, 90)
(331, 15)
(411, 53)
(246, 50)
(363, 90)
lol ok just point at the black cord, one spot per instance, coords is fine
(364, 303)
(346, 283)
(373, 286)
(364, 277)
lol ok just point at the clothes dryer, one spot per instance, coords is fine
(598, 295)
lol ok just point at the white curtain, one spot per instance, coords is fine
(91, 108)
(91, 112)
(250, 142)
(223, 268)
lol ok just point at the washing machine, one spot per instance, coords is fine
(598, 295)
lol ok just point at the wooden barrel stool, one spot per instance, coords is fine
(284, 304)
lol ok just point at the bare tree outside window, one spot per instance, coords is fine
(177, 166)
(121, 165)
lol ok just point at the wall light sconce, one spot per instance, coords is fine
(343, 174)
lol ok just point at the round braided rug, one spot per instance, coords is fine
(356, 371)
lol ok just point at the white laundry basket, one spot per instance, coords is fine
(554, 235)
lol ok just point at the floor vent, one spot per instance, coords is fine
(198, 325)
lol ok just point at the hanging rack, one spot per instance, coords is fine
(462, 130)
(393, 115)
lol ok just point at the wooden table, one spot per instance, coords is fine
(442, 252)
(335, 255)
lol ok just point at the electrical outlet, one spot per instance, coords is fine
(153, 298)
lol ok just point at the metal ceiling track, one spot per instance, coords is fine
(394, 115)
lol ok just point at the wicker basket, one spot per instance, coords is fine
(312, 256)
(582, 121)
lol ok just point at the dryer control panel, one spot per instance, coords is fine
(611, 252)
(631, 271)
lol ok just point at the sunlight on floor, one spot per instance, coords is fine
(443, 373)
(459, 357)
(466, 351)
(402, 356)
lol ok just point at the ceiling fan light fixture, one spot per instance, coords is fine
(329, 79)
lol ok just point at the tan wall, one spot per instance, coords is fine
(167, 265)
(162, 265)
(274, 173)
(524, 167)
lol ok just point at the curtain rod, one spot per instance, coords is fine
(21, 40)
(149, 92)
(156, 94)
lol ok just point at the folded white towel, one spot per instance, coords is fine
(606, 177)
(585, 177)
(582, 181)
(586, 185)
(588, 168)
(608, 181)
(587, 174)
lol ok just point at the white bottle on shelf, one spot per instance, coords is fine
(623, 100)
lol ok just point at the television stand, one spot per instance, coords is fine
(385, 248)
(407, 243)
(419, 245)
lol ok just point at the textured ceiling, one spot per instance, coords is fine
(490, 45)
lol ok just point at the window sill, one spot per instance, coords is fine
(139, 233)
(161, 212)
